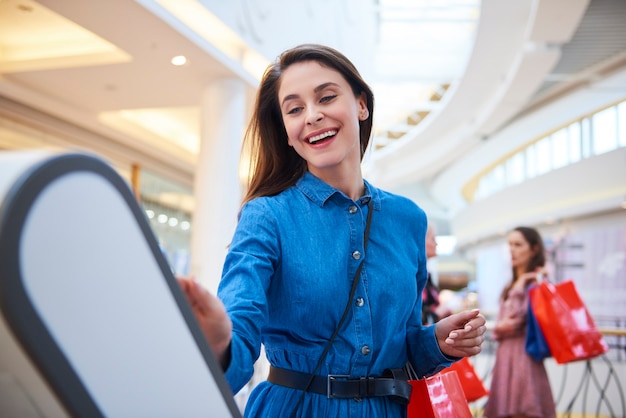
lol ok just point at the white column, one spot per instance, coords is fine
(217, 188)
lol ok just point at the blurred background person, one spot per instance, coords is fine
(432, 308)
(519, 386)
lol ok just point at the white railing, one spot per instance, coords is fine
(590, 388)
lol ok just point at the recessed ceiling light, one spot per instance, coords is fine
(179, 60)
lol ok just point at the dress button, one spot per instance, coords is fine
(365, 350)
(356, 255)
(352, 209)
(360, 302)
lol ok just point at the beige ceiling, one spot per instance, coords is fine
(101, 71)
(105, 66)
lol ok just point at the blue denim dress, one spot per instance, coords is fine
(286, 281)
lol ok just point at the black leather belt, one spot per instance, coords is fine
(340, 386)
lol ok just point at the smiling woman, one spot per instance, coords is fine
(324, 269)
(283, 101)
(321, 115)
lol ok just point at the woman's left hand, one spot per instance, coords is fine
(461, 334)
(532, 277)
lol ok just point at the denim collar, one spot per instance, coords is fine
(319, 192)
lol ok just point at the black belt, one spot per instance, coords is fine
(393, 384)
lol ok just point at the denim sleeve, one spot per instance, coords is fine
(248, 269)
(424, 352)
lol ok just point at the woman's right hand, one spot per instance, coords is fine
(212, 318)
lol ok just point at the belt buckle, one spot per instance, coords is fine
(330, 379)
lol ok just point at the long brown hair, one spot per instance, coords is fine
(534, 240)
(274, 165)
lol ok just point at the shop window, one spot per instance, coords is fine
(604, 130)
(544, 155)
(574, 142)
(585, 137)
(515, 172)
(531, 162)
(560, 154)
(621, 123)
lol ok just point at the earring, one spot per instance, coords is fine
(364, 114)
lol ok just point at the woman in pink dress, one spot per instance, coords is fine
(519, 385)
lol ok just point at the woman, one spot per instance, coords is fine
(519, 385)
(296, 252)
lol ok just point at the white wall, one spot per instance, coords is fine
(592, 185)
(446, 188)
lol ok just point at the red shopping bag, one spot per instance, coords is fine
(471, 383)
(566, 324)
(438, 396)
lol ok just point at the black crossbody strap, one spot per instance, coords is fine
(355, 282)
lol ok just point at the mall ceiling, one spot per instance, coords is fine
(101, 71)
